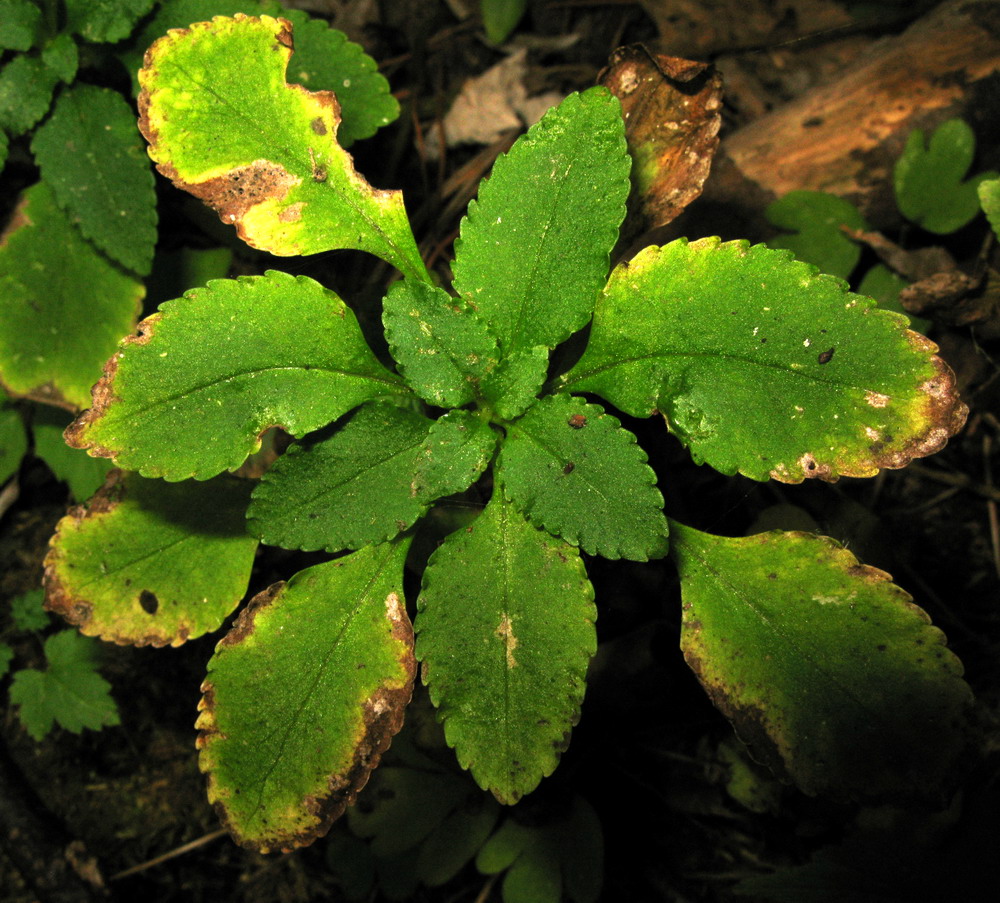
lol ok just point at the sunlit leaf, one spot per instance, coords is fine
(929, 178)
(533, 252)
(261, 152)
(69, 692)
(443, 349)
(92, 158)
(763, 367)
(151, 563)
(573, 470)
(303, 696)
(63, 307)
(849, 690)
(505, 632)
(221, 365)
(324, 60)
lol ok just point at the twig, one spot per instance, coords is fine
(179, 851)
(487, 887)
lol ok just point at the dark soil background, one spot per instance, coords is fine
(650, 751)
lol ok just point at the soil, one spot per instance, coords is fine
(650, 751)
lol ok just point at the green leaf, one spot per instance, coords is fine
(104, 21)
(456, 451)
(443, 349)
(500, 17)
(505, 632)
(261, 152)
(348, 490)
(535, 876)
(572, 469)
(989, 199)
(324, 60)
(403, 806)
(928, 178)
(221, 365)
(63, 307)
(369, 480)
(815, 219)
(13, 442)
(534, 249)
(84, 474)
(26, 86)
(564, 853)
(20, 24)
(849, 690)
(151, 563)
(884, 286)
(68, 692)
(92, 157)
(763, 367)
(514, 385)
(27, 612)
(503, 847)
(304, 695)
(62, 56)
(458, 838)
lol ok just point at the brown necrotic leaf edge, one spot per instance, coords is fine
(944, 414)
(76, 609)
(103, 394)
(753, 723)
(382, 717)
(233, 194)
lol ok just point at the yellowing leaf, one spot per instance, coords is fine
(224, 124)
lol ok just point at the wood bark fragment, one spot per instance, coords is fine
(845, 136)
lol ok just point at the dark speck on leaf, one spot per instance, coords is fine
(149, 602)
(577, 421)
(569, 468)
(826, 356)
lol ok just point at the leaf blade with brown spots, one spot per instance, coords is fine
(505, 633)
(223, 124)
(303, 696)
(849, 690)
(762, 366)
(151, 563)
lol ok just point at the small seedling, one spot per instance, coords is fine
(756, 362)
(68, 691)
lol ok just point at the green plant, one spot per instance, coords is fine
(500, 17)
(759, 365)
(69, 691)
(931, 192)
(39, 429)
(78, 253)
